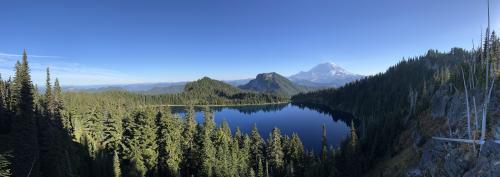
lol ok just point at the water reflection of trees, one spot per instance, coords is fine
(244, 109)
(336, 115)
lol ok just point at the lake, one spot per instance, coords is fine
(288, 118)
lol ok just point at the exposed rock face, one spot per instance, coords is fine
(443, 159)
(488, 163)
(456, 163)
(440, 102)
(448, 159)
(431, 160)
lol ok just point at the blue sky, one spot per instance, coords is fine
(125, 41)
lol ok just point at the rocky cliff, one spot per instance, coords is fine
(443, 158)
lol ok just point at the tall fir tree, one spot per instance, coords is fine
(4, 123)
(324, 145)
(48, 100)
(111, 132)
(256, 148)
(25, 136)
(245, 167)
(207, 150)
(116, 165)
(51, 137)
(222, 140)
(188, 143)
(275, 156)
(145, 136)
(260, 168)
(169, 143)
(234, 162)
(58, 107)
(354, 135)
(297, 154)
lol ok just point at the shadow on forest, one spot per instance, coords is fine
(335, 114)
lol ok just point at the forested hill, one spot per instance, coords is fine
(206, 85)
(385, 103)
(209, 91)
(275, 84)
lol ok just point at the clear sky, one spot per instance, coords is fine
(130, 41)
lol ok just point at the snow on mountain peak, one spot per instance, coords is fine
(325, 73)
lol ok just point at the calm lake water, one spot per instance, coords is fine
(288, 118)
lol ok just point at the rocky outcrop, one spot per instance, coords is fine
(439, 158)
(431, 160)
(456, 163)
(440, 102)
(488, 162)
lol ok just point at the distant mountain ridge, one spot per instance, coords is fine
(325, 75)
(275, 84)
(147, 88)
(141, 87)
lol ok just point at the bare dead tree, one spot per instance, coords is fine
(467, 104)
(490, 77)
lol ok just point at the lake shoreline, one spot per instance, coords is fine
(225, 105)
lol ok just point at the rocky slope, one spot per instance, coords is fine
(441, 158)
(273, 83)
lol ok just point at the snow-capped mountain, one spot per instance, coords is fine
(324, 75)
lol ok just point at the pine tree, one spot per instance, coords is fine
(48, 100)
(234, 163)
(58, 106)
(93, 128)
(188, 143)
(256, 148)
(207, 150)
(51, 137)
(145, 137)
(260, 168)
(238, 136)
(324, 145)
(169, 143)
(116, 165)
(26, 161)
(275, 152)
(354, 136)
(331, 169)
(111, 132)
(127, 145)
(4, 119)
(297, 154)
(137, 167)
(244, 157)
(251, 173)
(222, 142)
(161, 140)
